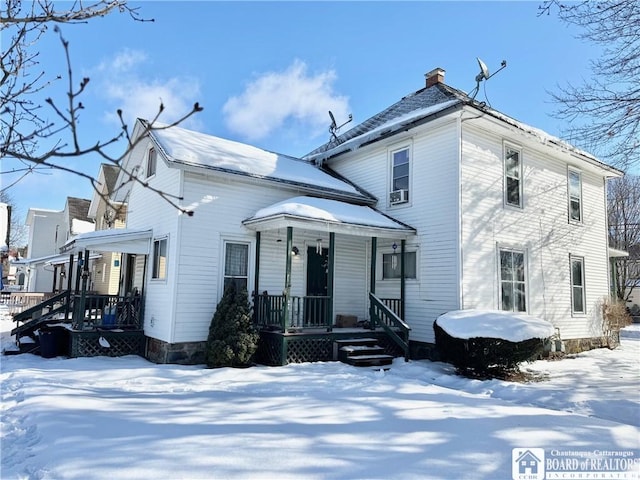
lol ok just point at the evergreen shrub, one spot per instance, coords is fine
(486, 357)
(232, 339)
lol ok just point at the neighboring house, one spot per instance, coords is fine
(107, 214)
(437, 203)
(44, 268)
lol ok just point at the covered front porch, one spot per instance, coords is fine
(79, 322)
(316, 271)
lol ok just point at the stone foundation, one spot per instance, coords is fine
(187, 353)
(577, 345)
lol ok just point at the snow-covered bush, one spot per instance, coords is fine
(232, 339)
(489, 343)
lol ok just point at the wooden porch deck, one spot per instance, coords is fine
(276, 348)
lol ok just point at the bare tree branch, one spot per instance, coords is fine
(604, 110)
(29, 135)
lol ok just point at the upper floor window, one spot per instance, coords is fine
(159, 268)
(152, 159)
(512, 177)
(577, 285)
(575, 196)
(400, 169)
(513, 284)
(236, 265)
(391, 265)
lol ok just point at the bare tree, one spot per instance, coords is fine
(606, 107)
(17, 229)
(624, 231)
(45, 134)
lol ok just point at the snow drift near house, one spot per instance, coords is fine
(509, 326)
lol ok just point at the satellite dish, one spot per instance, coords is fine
(484, 75)
(484, 71)
(334, 127)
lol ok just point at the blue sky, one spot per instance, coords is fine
(266, 73)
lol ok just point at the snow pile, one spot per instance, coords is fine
(513, 327)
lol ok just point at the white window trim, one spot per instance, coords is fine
(388, 251)
(153, 249)
(571, 170)
(579, 258)
(146, 165)
(224, 239)
(515, 249)
(390, 151)
(510, 146)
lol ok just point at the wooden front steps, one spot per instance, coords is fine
(361, 352)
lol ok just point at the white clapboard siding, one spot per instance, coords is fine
(541, 229)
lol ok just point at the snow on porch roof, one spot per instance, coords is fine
(114, 240)
(321, 213)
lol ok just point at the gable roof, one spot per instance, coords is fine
(183, 147)
(433, 99)
(78, 209)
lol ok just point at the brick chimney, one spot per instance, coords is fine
(434, 76)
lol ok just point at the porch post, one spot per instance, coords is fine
(55, 279)
(256, 286)
(69, 285)
(402, 281)
(332, 248)
(83, 293)
(372, 280)
(78, 272)
(256, 282)
(287, 279)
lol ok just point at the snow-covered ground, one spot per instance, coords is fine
(126, 418)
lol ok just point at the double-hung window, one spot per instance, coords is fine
(236, 265)
(391, 265)
(152, 160)
(513, 288)
(577, 285)
(159, 267)
(400, 171)
(512, 177)
(575, 196)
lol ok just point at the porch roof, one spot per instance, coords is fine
(114, 240)
(328, 215)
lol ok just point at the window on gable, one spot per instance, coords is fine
(513, 288)
(512, 177)
(236, 265)
(577, 285)
(575, 196)
(152, 159)
(159, 270)
(400, 167)
(391, 265)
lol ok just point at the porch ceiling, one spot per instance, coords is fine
(312, 213)
(116, 240)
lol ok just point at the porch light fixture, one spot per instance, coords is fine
(295, 251)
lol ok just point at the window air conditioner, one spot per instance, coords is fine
(398, 196)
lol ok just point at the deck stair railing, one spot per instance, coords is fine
(382, 315)
(53, 307)
(109, 311)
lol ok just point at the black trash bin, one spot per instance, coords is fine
(53, 342)
(48, 343)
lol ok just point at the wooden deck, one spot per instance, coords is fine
(314, 344)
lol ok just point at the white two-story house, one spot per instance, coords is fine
(438, 203)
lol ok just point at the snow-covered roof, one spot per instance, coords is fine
(420, 107)
(324, 213)
(186, 147)
(510, 326)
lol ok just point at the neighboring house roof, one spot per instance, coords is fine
(107, 178)
(425, 105)
(185, 147)
(343, 217)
